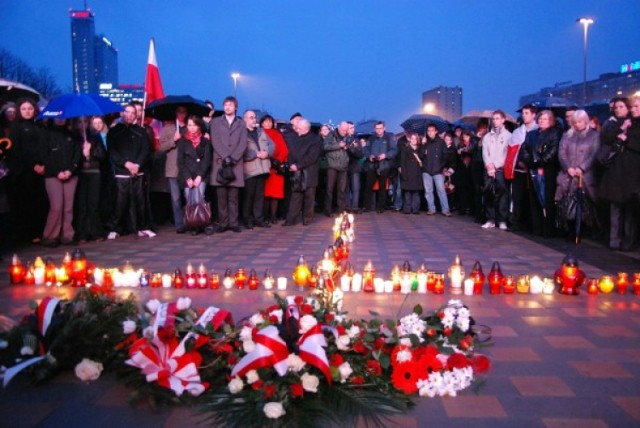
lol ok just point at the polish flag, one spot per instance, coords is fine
(153, 84)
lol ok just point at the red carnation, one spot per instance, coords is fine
(457, 361)
(405, 377)
(298, 300)
(336, 360)
(232, 360)
(273, 319)
(341, 330)
(480, 363)
(379, 343)
(307, 309)
(269, 390)
(329, 317)
(257, 385)
(296, 390)
(357, 380)
(374, 367)
(359, 347)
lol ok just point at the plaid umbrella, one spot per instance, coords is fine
(418, 123)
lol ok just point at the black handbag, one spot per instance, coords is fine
(196, 214)
(225, 173)
(298, 181)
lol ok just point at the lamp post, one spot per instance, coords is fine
(235, 77)
(585, 23)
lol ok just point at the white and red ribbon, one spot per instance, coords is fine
(168, 365)
(312, 352)
(270, 351)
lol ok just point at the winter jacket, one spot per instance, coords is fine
(304, 152)
(411, 168)
(434, 156)
(127, 143)
(169, 146)
(621, 179)
(229, 141)
(337, 157)
(26, 151)
(61, 151)
(254, 166)
(577, 150)
(193, 161)
(377, 146)
(494, 147)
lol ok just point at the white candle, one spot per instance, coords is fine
(118, 278)
(549, 287)
(345, 283)
(38, 275)
(468, 287)
(456, 280)
(422, 282)
(378, 285)
(535, 285)
(98, 276)
(356, 282)
(405, 284)
(166, 280)
(388, 286)
(282, 283)
(268, 283)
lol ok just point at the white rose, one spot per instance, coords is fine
(353, 331)
(128, 326)
(153, 305)
(310, 382)
(235, 385)
(252, 376)
(307, 322)
(343, 342)
(278, 314)
(248, 346)
(256, 319)
(183, 303)
(87, 370)
(246, 333)
(405, 341)
(274, 410)
(295, 363)
(345, 371)
(403, 356)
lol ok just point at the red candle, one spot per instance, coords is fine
(431, 280)
(313, 279)
(156, 280)
(438, 286)
(201, 277)
(107, 279)
(636, 284)
(178, 279)
(16, 270)
(253, 280)
(592, 287)
(241, 278)
(623, 282)
(478, 277)
(509, 284)
(367, 278)
(191, 276)
(495, 278)
(214, 281)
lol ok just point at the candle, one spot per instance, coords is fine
(228, 281)
(268, 280)
(422, 279)
(29, 278)
(345, 282)
(356, 282)
(431, 280)
(16, 270)
(39, 272)
(201, 277)
(301, 272)
(166, 281)
(178, 279)
(241, 278)
(368, 275)
(636, 284)
(118, 278)
(98, 276)
(378, 285)
(282, 283)
(438, 287)
(592, 287)
(509, 285)
(190, 276)
(535, 285)
(478, 277)
(606, 284)
(214, 280)
(405, 283)
(253, 280)
(156, 280)
(396, 278)
(468, 287)
(107, 280)
(388, 286)
(61, 276)
(548, 286)
(495, 278)
(456, 275)
(622, 282)
(523, 284)
(144, 279)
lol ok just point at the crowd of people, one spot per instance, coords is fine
(66, 181)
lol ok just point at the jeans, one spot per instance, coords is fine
(397, 203)
(354, 191)
(497, 205)
(197, 196)
(176, 203)
(438, 180)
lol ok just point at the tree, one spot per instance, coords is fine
(14, 68)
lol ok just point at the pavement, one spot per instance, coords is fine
(557, 361)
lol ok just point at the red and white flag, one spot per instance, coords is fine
(152, 84)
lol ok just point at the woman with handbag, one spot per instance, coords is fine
(194, 161)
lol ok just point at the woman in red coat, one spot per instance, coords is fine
(274, 186)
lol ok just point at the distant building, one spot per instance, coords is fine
(94, 59)
(443, 101)
(625, 83)
(122, 94)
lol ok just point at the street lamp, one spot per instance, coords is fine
(585, 22)
(429, 108)
(235, 77)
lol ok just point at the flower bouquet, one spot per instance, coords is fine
(301, 362)
(171, 349)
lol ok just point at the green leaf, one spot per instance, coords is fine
(374, 313)
(368, 338)
(417, 309)
(385, 360)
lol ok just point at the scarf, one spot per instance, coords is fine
(194, 137)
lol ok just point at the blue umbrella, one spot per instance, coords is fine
(77, 105)
(538, 182)
(418, 123)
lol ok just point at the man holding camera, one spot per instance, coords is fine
(379, 153)
(229, 139)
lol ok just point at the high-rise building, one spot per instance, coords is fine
(94, 59)
(106, 61)
(625, 83)
(122, 94)
(443, 101)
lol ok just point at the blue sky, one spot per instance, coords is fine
(339, 60)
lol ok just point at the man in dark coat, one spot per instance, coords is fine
(379, 154)
(304, 153)
(229, 139)
(433, 171)
(335, 149)
(128, 147)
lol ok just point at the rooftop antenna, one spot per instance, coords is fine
(86, 6)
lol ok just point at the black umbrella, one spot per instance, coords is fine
(418, 123)
(165, 108)
(538, 182)
(13, 91)
(579, 207)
